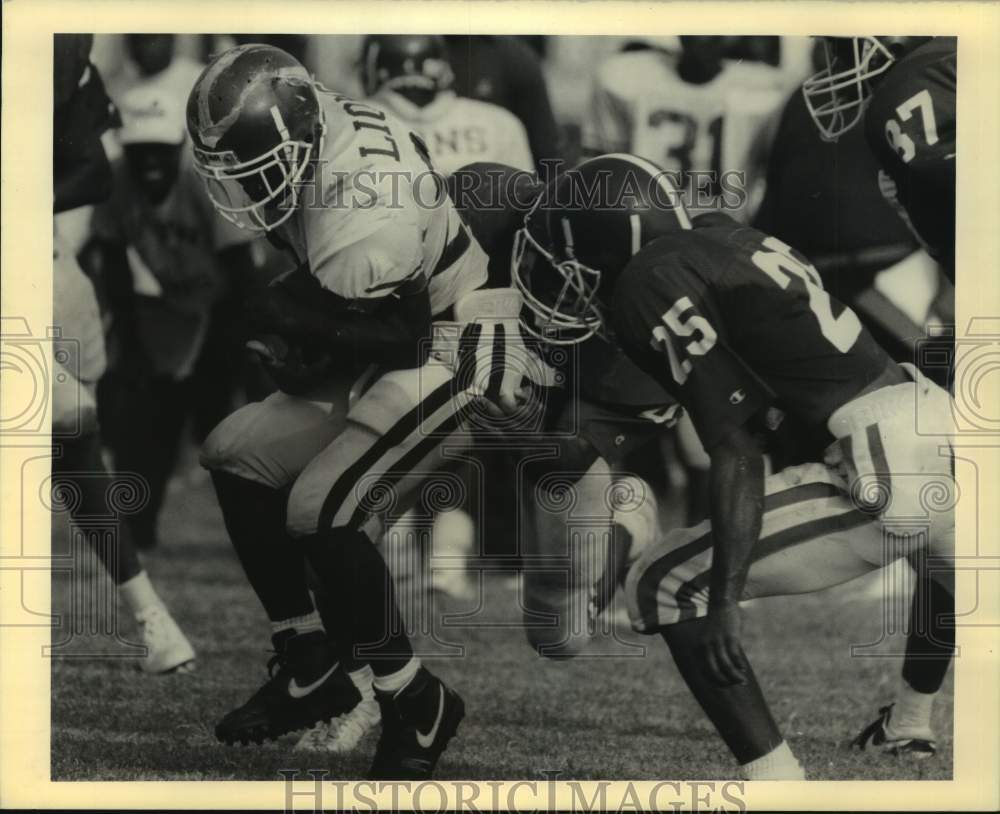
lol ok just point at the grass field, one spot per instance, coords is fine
(612, 717)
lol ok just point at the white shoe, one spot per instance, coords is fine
(343, 734)
(168, 648)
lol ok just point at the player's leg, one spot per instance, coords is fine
(587, 519)
(696, 466)
(254, 456)
(370, 473)
(812, 538)
(79, 466)
(894, 450)
(564, 558)
(149, 422)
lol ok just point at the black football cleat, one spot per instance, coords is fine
(307, 687)
(417, 723)
(916, 744)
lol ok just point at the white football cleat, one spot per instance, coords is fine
(167, 647)
(918, 743)
(343, 734)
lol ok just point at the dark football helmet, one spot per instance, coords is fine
(580, 235)
(837, 95)
(413, 65)
(256, 124)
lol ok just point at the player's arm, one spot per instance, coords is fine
(737, 498)
(663, 317)
(390, 330)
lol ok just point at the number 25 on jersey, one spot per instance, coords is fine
(694, 327)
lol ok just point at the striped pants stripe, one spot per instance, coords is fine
(812, 538)
(370, 474)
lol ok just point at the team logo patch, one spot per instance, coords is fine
(737, 397)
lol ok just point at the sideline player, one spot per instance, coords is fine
(736, 325)
(81, 176)
(699, 116)
(348, 190)
(410, 76)
(162, 252)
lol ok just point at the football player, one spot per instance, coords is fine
(904, 89)
(736, 325)
(81, 176)
(409, 75)
(162, 252)
(592, 505)
(698, 115)
(589, 504)
(349, 191)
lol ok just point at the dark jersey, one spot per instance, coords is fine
(733, 322)
(493, 200)
(910, 126)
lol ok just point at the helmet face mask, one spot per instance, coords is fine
(566, 312)
(836, 96)
(262, 193)
(581, 234)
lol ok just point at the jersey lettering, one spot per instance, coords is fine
(361, 111)
(900, 141)
(695, 325)
(783, 266)
(679, 152)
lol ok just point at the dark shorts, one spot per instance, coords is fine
(619, 436)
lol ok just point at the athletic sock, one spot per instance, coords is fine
(912, 711)
(363, 679)
(394, 682)
(300, 624)
(138, 593)
(778, 764)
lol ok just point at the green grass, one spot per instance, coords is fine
(592, 718)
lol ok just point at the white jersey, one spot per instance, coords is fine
(376, 216)
(702, 132)
(459, 131)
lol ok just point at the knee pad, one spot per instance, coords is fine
(225, 447)
(233, 447)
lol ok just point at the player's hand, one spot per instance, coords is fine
(722, 650)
